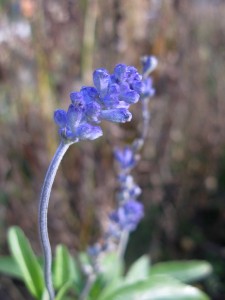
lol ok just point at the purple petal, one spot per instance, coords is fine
(114, 89)
(93, 110)
(60, 118)
(120, 72)
(125, 157)
(148, 90)
(130, 97)
(149, 64)
(132, 74)
(138, 86)
(118, 115)
(90, 94)
(88, 132)
(74, 116)
(110, 101)
(101, 79)
(76, 96)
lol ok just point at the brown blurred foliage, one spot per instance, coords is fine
(49, 48)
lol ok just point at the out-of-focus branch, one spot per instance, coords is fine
(43, 81)
(90, 18)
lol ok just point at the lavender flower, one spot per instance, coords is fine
(109, 100)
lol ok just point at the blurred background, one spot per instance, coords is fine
(49, 48)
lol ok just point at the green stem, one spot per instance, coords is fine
(43, 215)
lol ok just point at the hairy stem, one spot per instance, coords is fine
(43, 215)
(89, 281)
(145, 118)
(123, 243)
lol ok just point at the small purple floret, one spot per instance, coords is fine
(125, 157)
(147, 88)
(128, 215)
(60, 118)
(149, 64)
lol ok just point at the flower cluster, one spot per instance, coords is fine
(129, 211)
(109, 99)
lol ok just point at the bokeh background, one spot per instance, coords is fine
(49, 48)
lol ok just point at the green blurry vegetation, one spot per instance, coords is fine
(163, 281)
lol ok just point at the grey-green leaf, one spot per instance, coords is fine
(110, 288)
(139, 270)
(185, 271)
(27, 262)
(64, 268)
(157, 288)
(111, 266)
(111, 269)
(9, 267)
(63, 290)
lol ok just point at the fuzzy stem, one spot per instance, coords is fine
(123, 243)
(43, 217)
(145, 118)
(89, 281)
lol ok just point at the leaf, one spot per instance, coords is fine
(45, 295)
(185, 271)
(84, 258)
(26, 260)
(139, 270)
(64, 289)
(64, 268)
(111, 288)
(111, 266)
(118, 284)
(157, 288)
(8, 266)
